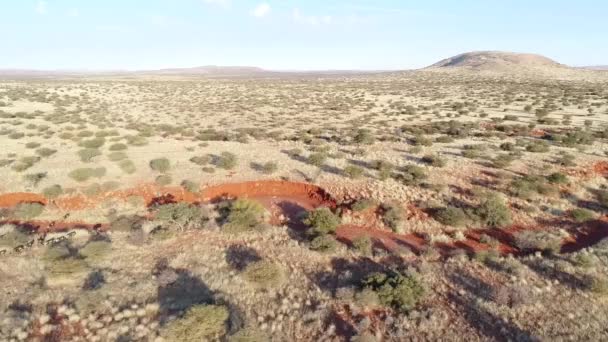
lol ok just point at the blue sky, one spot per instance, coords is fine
(291, 34)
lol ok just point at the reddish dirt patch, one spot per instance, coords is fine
(590, 171)
(381, 238)
(12, 199)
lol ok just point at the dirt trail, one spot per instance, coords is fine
(287, 201)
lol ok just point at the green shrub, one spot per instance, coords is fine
(401, 292)
(420, 140)
(118, 147)
(363, 245)
(433, 160)
(502, 160)
(95, 250)
(264, 274)
(93, 143)
(117, 156)
(244, 215)
(127, 166)
(539, 146)
(88, 154)
(160, 164)
(182, 214)
(164, 180)
(317, 159)
(52, 191)
(393, 217)
(364, 136)
(451, 216)
(11, 236)
(66, 267)
(363, 204)
(269, 167)
(353, 171)
(413, 175)
(35, 178)
(321, 221)
(32, 144)
(201, 160)
(28, 211)
(557, 178)
(324, 244)
(493, 211)
(227, 161)
(84, 174)
(529, 241)
(249, 335)
(25, 163)
(191, 186)
(199, 323)
(581, 215)
(45, 152)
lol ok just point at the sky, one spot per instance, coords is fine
(293, 34)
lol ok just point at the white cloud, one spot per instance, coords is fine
(314, 20)
(74, 12)
(41, 7)
(261, 10)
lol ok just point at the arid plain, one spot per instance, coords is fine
(465, 201)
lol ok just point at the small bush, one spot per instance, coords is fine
(401, 292)
(321, 221)
(413, 175)
(264, 274)
(363, 204)
(93, 143)
(493, 211)
(433, 160)
(581, 215)
(451, 216)
(227, 161)
(127, 166)
(317, 159)
(393, 217)
(88, 154)
(28, 211)
(530, 241)
(84, 174)
(269, 167)
(201, 160)
(163, 180)
(160, 164)
(45, 152)
(557, 178)
(199, 323)
(191, 186)
(117, 156)
(363, 245)
(118, 147)
(244, 215)
(95, 250)
(324, 244)
(182, 214)
(353, 171)
(52, 191)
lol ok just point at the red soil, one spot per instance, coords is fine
(590, 171)
(285, 201)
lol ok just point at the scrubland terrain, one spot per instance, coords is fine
(420, 205)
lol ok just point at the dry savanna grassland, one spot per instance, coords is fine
(452, 203)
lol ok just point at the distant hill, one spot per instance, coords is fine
(596, 67)
(498, 61)
(209, 70)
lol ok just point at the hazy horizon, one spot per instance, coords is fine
(292, 35)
